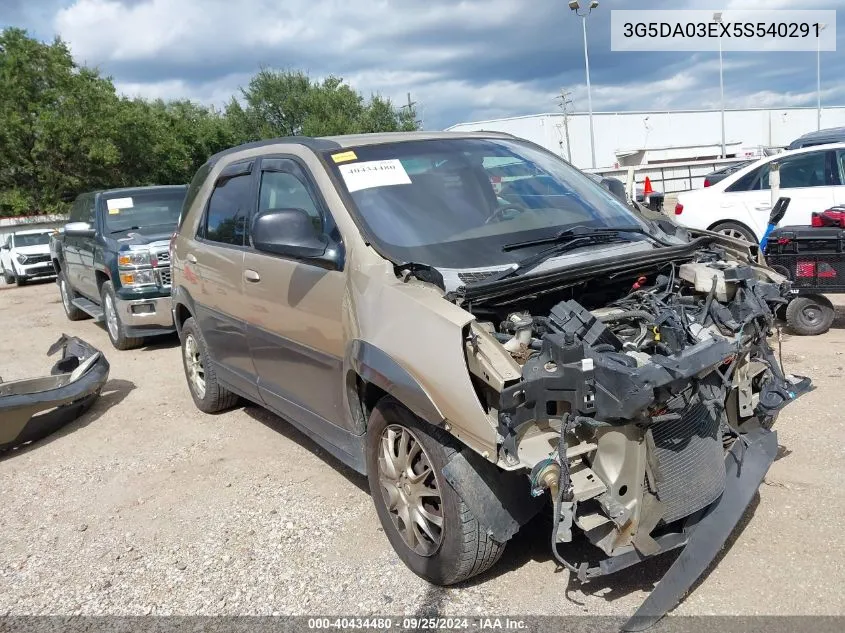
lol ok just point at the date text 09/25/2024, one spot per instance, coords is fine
(422, 623)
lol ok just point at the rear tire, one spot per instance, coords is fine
(810, 315)
(209, 396)
(462, 548)
(68, 295)
(735, 230)
(114, 326)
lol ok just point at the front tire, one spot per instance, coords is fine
(114, 326)
(810, 315)
(429, 526)
(8, 277)
(209, 396)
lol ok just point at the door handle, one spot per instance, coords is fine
(251, 275)
(191, 258)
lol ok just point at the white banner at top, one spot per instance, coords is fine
(734, 30)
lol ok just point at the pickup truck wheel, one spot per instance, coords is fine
(68, 295)
(208, 395)
(8, 277)
(810, 315)
(20, 281)
(432, 530)
(114, 326)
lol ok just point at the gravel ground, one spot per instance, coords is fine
(147, 506)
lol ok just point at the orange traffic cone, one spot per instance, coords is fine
(647, 188)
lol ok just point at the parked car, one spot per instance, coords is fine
(739, 206)
(112, 260)
(25, 255)
(819, 137)
(720, 174)
(474, 355)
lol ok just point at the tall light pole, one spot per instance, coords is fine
(819, 77)
(576, 7)
(717, 17)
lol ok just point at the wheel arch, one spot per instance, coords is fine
(183, 307)
(744, 225)
(371, 374)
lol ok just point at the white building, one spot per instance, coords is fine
(640, 138)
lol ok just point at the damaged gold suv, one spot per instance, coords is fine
(487, 333)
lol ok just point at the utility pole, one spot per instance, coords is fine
(564, 103)
(412, 112)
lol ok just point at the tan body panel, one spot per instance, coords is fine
(328, 310)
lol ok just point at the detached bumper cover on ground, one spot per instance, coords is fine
(746, 463)
(32, 409)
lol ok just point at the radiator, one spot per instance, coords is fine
(690, 462)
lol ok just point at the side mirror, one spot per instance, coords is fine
(616, 187)
(778, 211)
(288, 232)
(79, 229)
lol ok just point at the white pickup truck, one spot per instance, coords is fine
(25, 255)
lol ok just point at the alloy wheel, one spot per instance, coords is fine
(111, 317)
(65, 296)
(734, 233)
(194, 367)
(410, 490)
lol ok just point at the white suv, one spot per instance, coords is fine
(25, 255)
(739, 206)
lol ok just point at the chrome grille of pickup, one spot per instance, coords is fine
(163, 258)
(690, 460)
(163, 276)
(36, 259)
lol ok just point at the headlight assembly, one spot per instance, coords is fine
(135, 278)
(133, 259)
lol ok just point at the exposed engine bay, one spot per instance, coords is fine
(630, 397)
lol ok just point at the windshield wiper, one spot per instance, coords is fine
(583, 231)
(570, 244)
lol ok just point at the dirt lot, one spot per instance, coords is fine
(145, 505)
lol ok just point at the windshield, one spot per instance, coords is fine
(31, 239)
(457, 202)
(142, 210)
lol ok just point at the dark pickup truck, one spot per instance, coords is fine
(113, 262)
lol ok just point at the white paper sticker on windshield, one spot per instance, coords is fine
(115, 204)
(374, 173)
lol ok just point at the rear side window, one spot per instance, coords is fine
(228, 210)
(83, 209)
(802, 170)
(748, 182)
(193, 190)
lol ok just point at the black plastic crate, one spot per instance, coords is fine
(813, 258)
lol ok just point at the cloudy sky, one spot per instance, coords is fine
(461, 60)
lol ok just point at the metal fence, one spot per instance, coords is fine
(671, 177)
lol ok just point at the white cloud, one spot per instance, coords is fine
(466, 60)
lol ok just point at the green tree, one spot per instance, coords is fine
(289, 103)
(64, 129)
